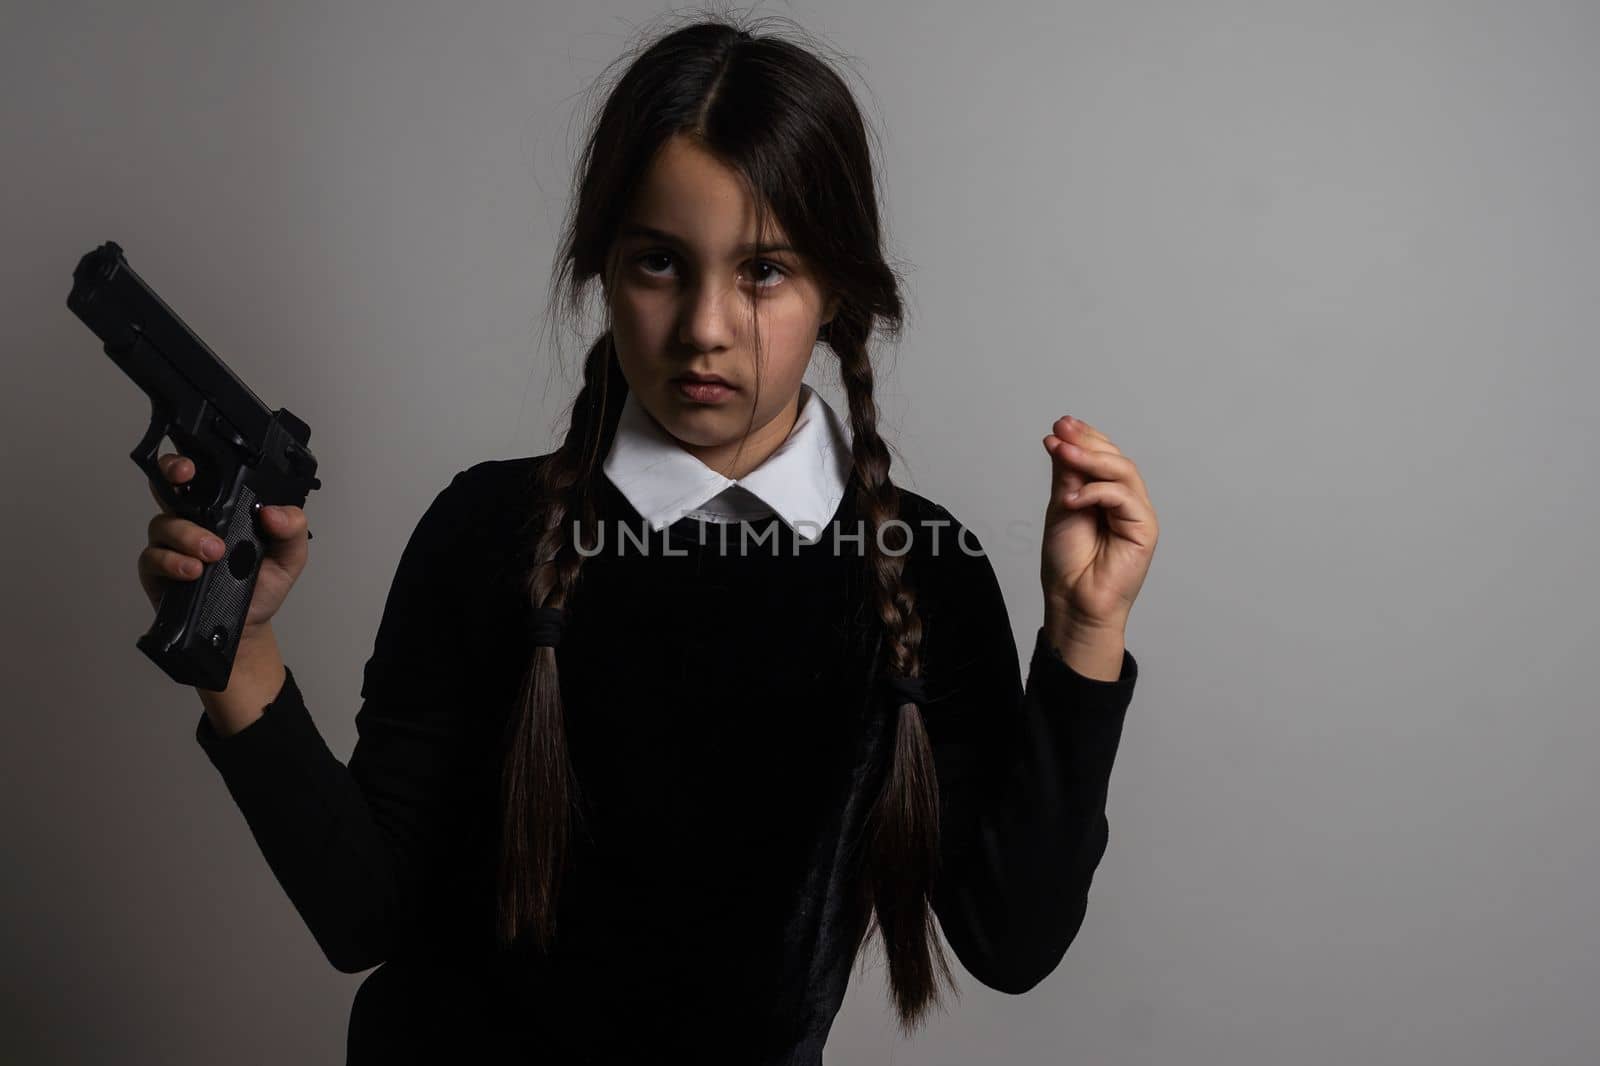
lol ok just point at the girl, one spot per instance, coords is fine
(660, 726)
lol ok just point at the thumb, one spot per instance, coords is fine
(287, 526)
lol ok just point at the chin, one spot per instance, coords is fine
(698, 431)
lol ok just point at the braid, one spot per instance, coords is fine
(902, 831)
(538, 786)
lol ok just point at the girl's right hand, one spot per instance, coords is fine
(178, 546)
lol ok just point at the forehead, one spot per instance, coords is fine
(689, 193)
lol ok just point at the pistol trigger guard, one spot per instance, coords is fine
(144, 454)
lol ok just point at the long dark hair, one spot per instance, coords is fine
(785, 122)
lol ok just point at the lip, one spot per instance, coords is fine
(705, 392)
(702, 379)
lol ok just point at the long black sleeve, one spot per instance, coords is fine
(1023, 776)
(353, 846)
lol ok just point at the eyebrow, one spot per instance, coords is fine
(636, 229)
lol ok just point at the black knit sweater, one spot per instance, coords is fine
(727, 745)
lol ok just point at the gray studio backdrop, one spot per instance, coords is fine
(1326, 272)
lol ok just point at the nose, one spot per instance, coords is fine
(709, 316)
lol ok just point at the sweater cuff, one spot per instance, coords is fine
(1060, 685)
(281, 733)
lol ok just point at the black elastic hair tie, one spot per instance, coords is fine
(546, 626)
(908, 689)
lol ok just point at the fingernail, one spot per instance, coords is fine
(211, 547)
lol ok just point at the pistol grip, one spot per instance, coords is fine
(198, 624)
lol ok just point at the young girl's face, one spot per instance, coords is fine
(688, 290)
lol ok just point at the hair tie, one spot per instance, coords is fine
(546, 627)
(909, 689)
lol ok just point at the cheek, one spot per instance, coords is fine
(787, 342)
(635, 311)
(640, 328)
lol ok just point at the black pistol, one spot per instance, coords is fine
(245, 457)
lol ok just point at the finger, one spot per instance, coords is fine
(180, 534)
(284, 522)
(1065, 477)
(164, 562)
(1079, 432)
(1129, 515)
(176, 469)
(1087, 437)
(1098, 465)
(285, 526)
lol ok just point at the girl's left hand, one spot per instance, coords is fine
(1097, 548)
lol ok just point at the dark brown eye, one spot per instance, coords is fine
(649, 256)
(778, 272)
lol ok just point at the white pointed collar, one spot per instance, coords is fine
(802, 482)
